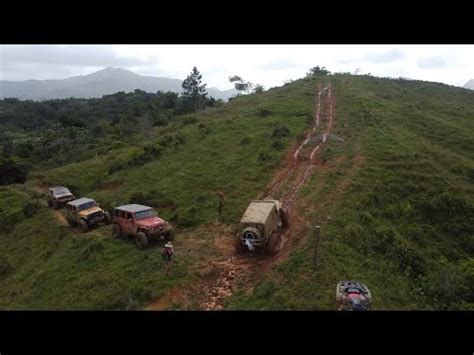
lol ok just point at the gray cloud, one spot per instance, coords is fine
(385, 57)
(56, 62)
(276, 64)
(389, 56)
(430, 62)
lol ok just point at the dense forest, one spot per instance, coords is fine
(51, 133)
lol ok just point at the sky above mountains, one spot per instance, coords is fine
(270, 65)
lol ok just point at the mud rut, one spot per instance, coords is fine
(243, 269)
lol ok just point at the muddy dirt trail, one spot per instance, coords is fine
(243, 270)
(234, 271)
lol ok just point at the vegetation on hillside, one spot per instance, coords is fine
(394, 198)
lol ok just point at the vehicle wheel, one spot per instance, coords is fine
(141, 240)
(70, 221)
(83, 226)
(108, 219)
(50, 203)
(55, 205)
(284, 217)
(272, 245)
(116, 231)
(239, 247)
(169, 236)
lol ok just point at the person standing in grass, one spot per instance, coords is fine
(168, 251)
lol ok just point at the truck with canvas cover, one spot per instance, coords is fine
(261, 226)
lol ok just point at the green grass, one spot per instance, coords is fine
(229, 147)
(404, 225)
(394, 201)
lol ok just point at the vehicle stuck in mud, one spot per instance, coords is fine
(261, 226)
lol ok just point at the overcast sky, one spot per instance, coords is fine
(270, 65)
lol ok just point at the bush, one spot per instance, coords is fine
(265, 112)
(116, 165)
(263, 156)
(245, 140)
(31, 208)
(179, 138)
(278, 145)
(153, 150)
(204, 129)
(189, 120)
(5, 268)
(166, 140)
(281, 131)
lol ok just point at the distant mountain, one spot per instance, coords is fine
(469, 84)
(103, 82)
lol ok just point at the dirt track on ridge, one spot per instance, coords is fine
(243, 270)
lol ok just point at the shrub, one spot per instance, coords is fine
(245, 140)
(278, 145)
(189, 120)
(5, 268)
(263, 156)
(265, 112)
(281, 131)
(31, 208)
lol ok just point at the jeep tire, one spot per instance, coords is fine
(116, 231)
(239, 247)
(141, 240)
(107, 219)
(272, 244)
(55, 205)
(284, 217)
(70, 221)
(83, 226)
(50, 203)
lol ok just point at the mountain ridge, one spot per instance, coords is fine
(95, 85)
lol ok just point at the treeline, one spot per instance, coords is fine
(55, 132)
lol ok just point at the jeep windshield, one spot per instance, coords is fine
(86, 205)
(145, 214)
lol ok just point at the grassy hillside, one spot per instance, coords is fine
(235, 147)
(394, 201)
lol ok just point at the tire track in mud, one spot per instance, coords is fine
(245, 269)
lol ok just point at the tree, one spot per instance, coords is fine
(317, 71)
(240, 84)
(194, 95)
(258, 88)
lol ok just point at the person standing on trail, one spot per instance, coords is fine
(220, 197)
(168, 251)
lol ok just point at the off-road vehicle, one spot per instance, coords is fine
(141, 223)
(85, 213)
(261, 226)
(352, 296)
(58, 196)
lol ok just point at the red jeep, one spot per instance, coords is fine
(140, 222)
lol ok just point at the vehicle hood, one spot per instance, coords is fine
(89, 211)
(151, 222)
